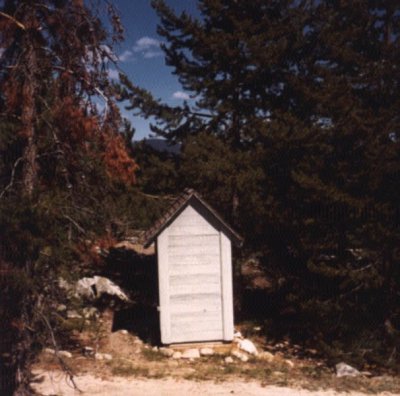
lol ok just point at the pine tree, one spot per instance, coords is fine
(294, 133)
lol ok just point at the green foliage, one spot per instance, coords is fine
(294, 135)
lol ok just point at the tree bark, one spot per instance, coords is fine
(28, 113)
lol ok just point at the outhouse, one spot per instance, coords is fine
(193, 246)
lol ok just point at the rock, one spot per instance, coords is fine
(367, 373)
(49, 351)
(90, 312)
(103, 356)
(192, 353)
(93, 288)
(228, 360)
(125, 332)
(155, 349)
(257, 328)
(176, 355)
(166, 351)
(267, 356)
(247, 346)
(240, 355)
(61, 308)
(88, 351)
(345, 370)
(138, 341)
(289, 363)
(206, 351)
(63, 284)
(73, 315)
(238, 334)
(65, 354)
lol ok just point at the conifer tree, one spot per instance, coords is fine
(295, 118)
(60, 158)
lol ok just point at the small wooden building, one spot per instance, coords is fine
(193, 247)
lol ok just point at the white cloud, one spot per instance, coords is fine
(113, 74)
(180, 95)
(145, 43)
(147, 46)
(125, 56)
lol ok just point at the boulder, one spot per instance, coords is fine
(229, 359)
(73, 315)
(93, 288)
(65, 354)
(192, 353)
(247, 346)
(168, 352)
(345, 370)
(240, 355)
(49, 351)
(206, 351)
(90, 312)
(289, 363)
(267, 356)
(88, 351)
(176, 355)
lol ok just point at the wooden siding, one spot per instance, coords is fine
(195, 295)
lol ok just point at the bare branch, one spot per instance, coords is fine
(18, 23)
(63, 365)
(9, 185)
(75, 224)
(167, 197)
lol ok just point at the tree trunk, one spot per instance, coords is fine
(29, 172)
(22, 350)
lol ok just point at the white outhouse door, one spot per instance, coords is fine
(195, 280)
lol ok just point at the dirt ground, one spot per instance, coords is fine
(55, 383)
(135, 367)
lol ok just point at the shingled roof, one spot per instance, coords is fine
(188, 196)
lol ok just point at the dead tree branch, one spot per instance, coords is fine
(11, 18)
(75, 224)
(10, 184)
(64, 366)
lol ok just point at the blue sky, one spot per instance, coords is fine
(141, 58)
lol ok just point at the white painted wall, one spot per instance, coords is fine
(195, 281)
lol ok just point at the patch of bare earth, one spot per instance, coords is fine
(137, 368)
